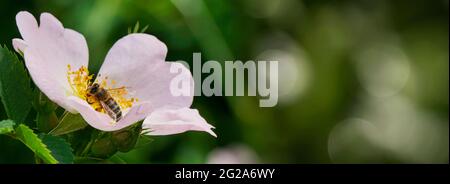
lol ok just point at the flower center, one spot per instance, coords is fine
(80, 80)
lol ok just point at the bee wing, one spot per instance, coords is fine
(119, 88)
(119, 91)
(116, 90)
(108, 110)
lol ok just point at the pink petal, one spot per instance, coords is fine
(166, 122)
(18, 44)
(27, 25)
(48, 83)
(137, 61)
(136, 113)
(102, 121)
(49, 49)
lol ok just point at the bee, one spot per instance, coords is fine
(107, 102)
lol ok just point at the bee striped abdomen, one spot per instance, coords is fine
(113, 109)
(109, 105)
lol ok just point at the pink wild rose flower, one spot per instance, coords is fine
(134, 73)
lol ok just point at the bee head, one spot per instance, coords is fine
(93, 88)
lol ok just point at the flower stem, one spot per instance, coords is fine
(61, 119)
(87, 148)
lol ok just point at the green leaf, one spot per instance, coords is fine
(81, 139)
(144, 29)
(41, 103)
(143, 141)
(103, 147)
(136, 27)
(117, 160)
(46, 119)
(59, 148)
(69, 123)
(6, 126)
(46, 122)
(91, 160)
(15, 90)
(125, 139)
(32, 141)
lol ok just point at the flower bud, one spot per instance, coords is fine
(125, 140)
(103, 148)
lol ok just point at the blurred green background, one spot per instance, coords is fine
(359, 82)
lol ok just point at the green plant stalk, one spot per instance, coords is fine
(87, 147)
(63, 116)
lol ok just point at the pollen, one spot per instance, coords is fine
(79, 81)
(119, 94)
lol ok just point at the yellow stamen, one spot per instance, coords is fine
(119, 94)
(80, 80)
